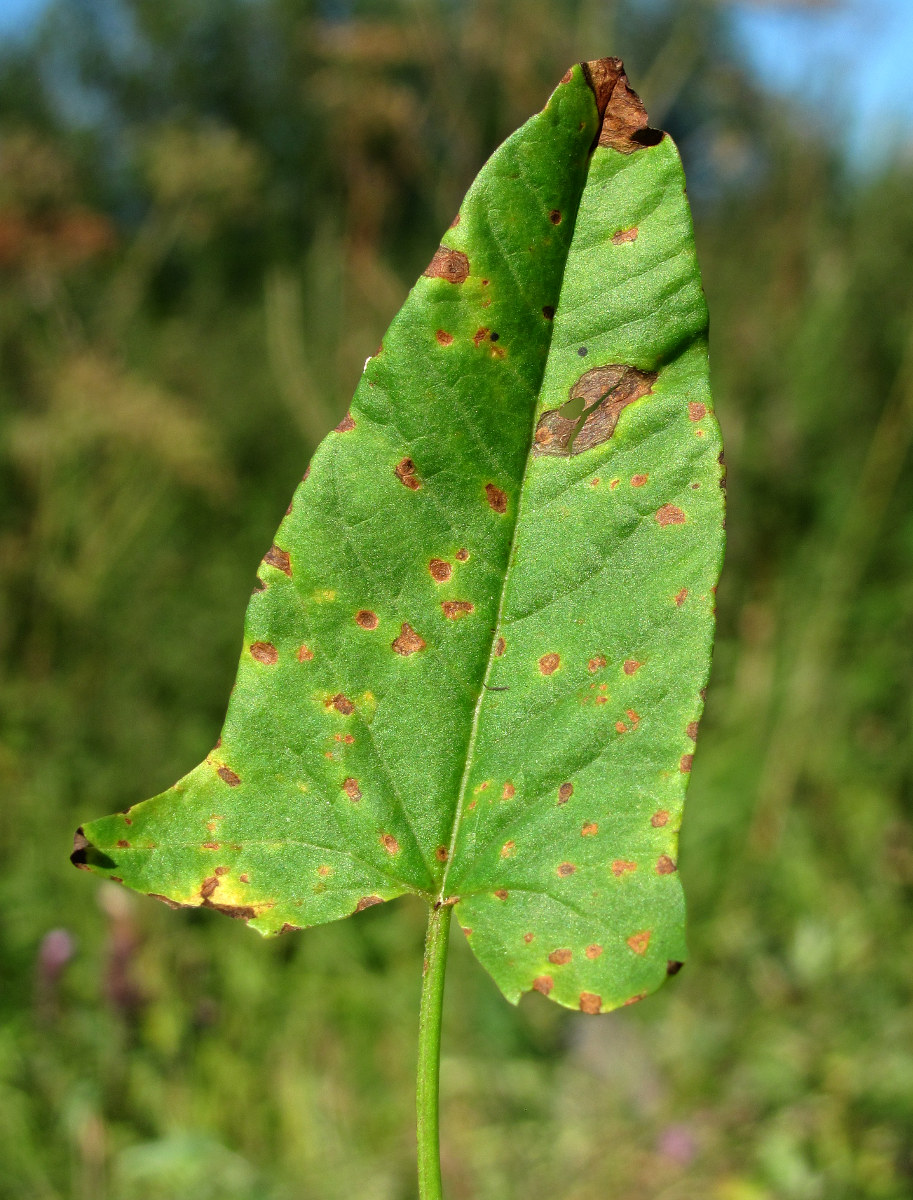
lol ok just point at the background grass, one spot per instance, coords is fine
(209, 211)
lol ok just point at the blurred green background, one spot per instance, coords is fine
(209, 212)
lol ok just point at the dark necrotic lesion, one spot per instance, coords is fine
(589, 415)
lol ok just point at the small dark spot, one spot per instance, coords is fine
(366, 619)
(673, 967)
(346, 425)
(659, 819)
(368, 902)
(303, 654)
(565, 869)
(228, 776)
(543, 984)
(665, 865)
(549, 663)
(351, 789)
(501, 894)
(462, 554)
(497, 500)
(583, 351)
(548, 312)
(279, 559)
(565, 792)
(500, 647)
(455, 609)
(494, 337)
(593, 951)
(567, 76)
(590, 829)
(685, 763)
(444, 338)
(590, 1003)
(441, 854)
(555, 216)
(450, 265)
(670, 515)
(405, 473)
(341, 703)
(640, 941)
(265, 652)
(440, 570)
(560, 957)
(208, 886)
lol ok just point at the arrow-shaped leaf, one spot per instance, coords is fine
(472, 666)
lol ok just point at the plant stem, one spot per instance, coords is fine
(429, 1053)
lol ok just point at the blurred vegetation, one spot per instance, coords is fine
(209, 211)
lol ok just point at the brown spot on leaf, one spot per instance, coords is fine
(631, 665)
(665, 865)
(208, 886)
(590, 1003)
(228, 776)
(638, 481)
(670, 515)
(659, 819)
(596, 663)
(444, 338)
(633, 717)
(509, 791)
(549, 663)
(565, 869)
(462, 554)
(497, 500)
(507, 849)
(528, 937)
(500, 647)
(341, 703)
(625, 124)
(408, 642)
(351, 789)
(560, 957)
(389, 843)
(405, 473)
(441, 854)
(625, 235)
(501, 893)
(621, 866)
(480, 335)
(691, 730)
(593, 951)
(366, 619)
(681, 597)
(324, 871)
(454, 609)
(244, 878)
(279, 559)
(696, 412)
(685, 763)
(565, 791)
(122, 845)
(590, 829)
(635, 999)
(605, 391)
(346, 425)
(548, 312)
(211, 846)
(451, 265)
(543, 984)
(640, 941)
(265, 652)
(304, 654)
(555, 216)
(368, 902)
(440, 570)
(221, 871)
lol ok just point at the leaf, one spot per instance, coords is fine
(472, 666)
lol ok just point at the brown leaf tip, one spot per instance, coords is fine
(265, 652)
(408, 642)
(405, 473)
(590, 1003)
(80, 845)
(625, 124)
(450, 265)
(346, 425)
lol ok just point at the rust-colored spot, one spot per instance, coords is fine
(405, 473)
(593, 951)
(605, 391)
(389, 843)
(366, 619)
(665, 865)
(639, 480)
(681, 597)
(620, 727)
(633, 717)
(444, 338)
(635, 999)
(670, 515)
(673, 967)
(507, 849)
(451, 265)
(696, 412)
(565, 791)
(454, 609)
(497, 500)
(659, 819)
(640, 941)
(351, 789)
(501, 893)
(288, 927)
(509, 791)
(265, 652)
(440, 570)
(346, 425)
(324, 871)
(122, 845)
(500, 647)
(596, 663)
(221, 871)
(555, 216)
(625, 235)
(590, 1003)
(244, 878)
(441, 854)
(549, 663)
(259, 586)
(480, 335)
(565, 869)
(279, 559)
(691, 730)
(631, 665)
(468, 932)
(590, 829)
(621, 866)
(368, 902)
(408, 642)
(560, 957)
(228, 776)
(456, 220)
(304, 654)
(543, 984)
(211, 846)
(625, 124)
(208, 886)
(548, 312)
(462, 554)
(341, 703)
(685, 763)
(567, 76)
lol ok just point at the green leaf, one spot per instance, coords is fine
(472, 666)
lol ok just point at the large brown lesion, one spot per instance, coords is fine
(625, 125)
(604, 393)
